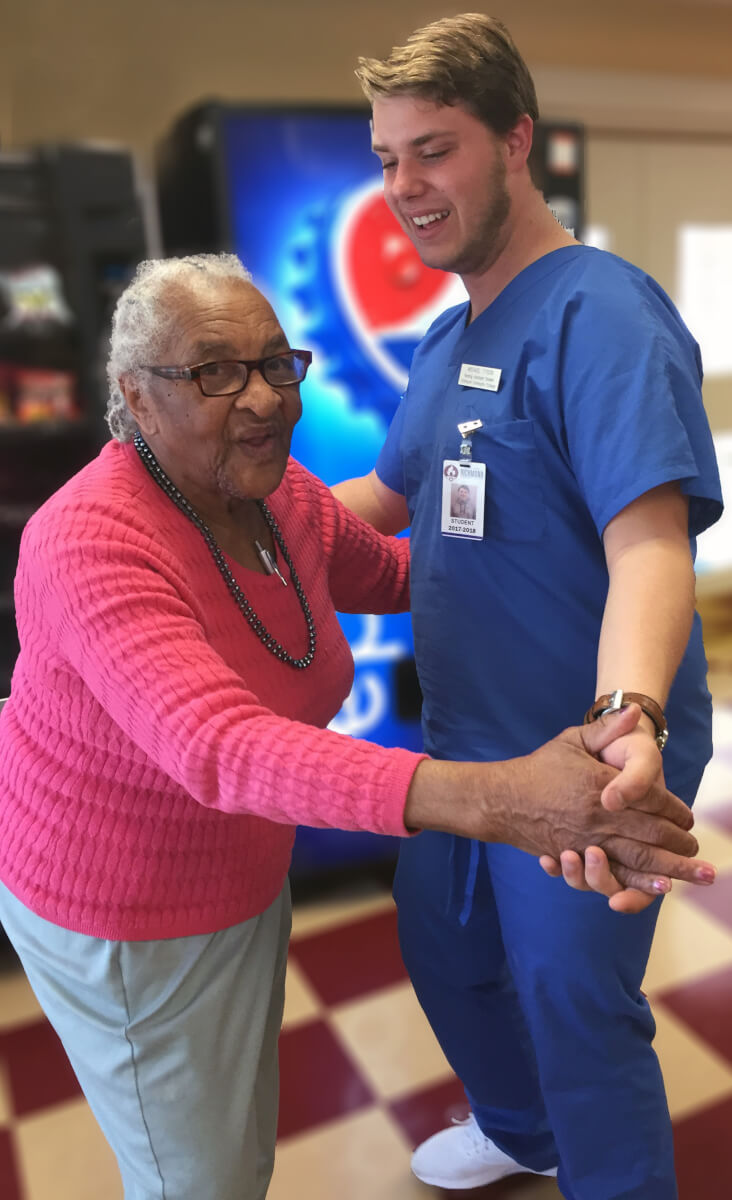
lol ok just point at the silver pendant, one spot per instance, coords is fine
(268, 562)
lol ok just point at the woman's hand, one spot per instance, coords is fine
(595, 874)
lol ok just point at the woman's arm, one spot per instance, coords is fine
(122, 624)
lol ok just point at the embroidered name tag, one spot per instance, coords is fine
(487, 378)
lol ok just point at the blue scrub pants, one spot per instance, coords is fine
(535, 999)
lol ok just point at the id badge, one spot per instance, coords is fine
(463, 498)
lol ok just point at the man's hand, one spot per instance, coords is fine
(638, 759)
(559, 809)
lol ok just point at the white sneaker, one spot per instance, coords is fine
(463, 1157)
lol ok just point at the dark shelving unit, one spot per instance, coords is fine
(75, 209)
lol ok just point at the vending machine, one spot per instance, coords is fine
(296, 192)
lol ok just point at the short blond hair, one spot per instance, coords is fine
(470, 59)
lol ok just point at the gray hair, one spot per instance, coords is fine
(144, 318)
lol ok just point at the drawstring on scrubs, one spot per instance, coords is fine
(470, 882)
(470, 878)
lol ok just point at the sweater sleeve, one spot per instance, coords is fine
(114, 612)
(368, 572)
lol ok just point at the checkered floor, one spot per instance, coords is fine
(362, 1077)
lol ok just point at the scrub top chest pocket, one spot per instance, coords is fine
(514, 502)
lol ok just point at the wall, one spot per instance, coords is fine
(86, 68)
(74, 69)
(643, 190)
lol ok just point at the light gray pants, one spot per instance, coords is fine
(174, 1043)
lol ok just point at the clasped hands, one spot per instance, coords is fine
(635, 867)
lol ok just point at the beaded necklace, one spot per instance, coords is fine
(268, 640)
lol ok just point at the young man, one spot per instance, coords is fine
(567, 391)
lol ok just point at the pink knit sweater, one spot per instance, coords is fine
(154, 757)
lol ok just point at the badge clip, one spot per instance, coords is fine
(465, 429)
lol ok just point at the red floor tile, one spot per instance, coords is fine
(317, 1079)
(9, 1182)
(353, 959)
(706, 1006)
(423, 1113)
(39, 1072)
(716, 900)
(704, 1154)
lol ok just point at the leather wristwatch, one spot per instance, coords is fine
(618, 699)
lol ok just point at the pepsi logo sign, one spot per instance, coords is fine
(387, 294)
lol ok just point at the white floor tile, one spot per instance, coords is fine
(714, 844)
(688, 944)
(64, 1156)
(357, 1158)
(301, 1002)
(715, 788)
(389, 1037)
(18, 1005)
(695, 1076)
(5, 1101)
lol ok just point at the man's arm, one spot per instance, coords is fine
(647, 620)
(642, 878)
(645, 629)
(374, 502)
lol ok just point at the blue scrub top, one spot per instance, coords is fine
(599, 401)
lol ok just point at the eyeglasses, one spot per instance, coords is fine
(229, 377)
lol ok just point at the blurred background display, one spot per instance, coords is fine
(297, 193)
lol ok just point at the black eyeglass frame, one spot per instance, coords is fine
(193, 373)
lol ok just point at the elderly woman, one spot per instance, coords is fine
(180, 659)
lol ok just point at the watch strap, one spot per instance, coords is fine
(614, 701)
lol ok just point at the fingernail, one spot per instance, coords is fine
(706, 874)
(662, 885)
